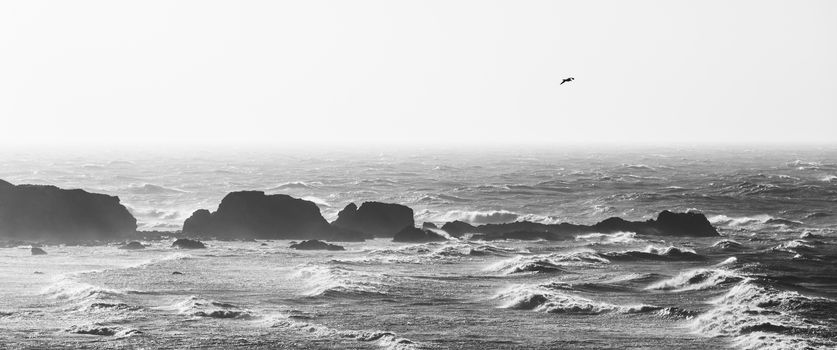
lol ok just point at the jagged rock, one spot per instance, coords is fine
(185, 243)
(375, 218)
(316, 245)
(133, 246)
(252, 214)
(684, 224)
(414, 234)
(48, 212)
(666, 224)
(458, 228)
(38, 251)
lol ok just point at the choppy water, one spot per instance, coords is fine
(769, 282)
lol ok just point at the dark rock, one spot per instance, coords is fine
(133, 246)
(427, 225)
(263, 244)
(48, 212)
(375, 218)
(458, 228)
(414, 234)
(666, 224)
(38, 251)
(185, 243)
(684, 224)
(252, 214)
(316, 245)
(177, 273)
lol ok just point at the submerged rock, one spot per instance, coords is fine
(316, 245)
(38, 251)
(48, 212)
(133, 246)
(414, 234)
(252, 214)
(375, 218)
(185, 243)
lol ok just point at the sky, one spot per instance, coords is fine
(343, 73)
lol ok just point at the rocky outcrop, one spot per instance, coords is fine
(458, 228)
(185, 243)
(428, 225)
(417, 235)
(666, 224)
(252, 214)
(59, 215)
(38, 251)
(315, 245)
(375, 218)
(133, 246)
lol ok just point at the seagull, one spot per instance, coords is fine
(567, 80)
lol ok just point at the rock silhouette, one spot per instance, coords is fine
(315, 245)
(38, 251)
(252, 214)
(185, 243)
(375, 218)
(48, 212)
(667, 224)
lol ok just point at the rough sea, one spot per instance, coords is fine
(769, 281)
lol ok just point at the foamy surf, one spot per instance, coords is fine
(546, 298)
(758, 317)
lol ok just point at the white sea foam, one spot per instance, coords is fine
(542, 298)
(331, 279)
(383, 339)
(697, 279)
(764, 318)
(612, 238)
(553, 262)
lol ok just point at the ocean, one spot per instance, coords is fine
(769, 281)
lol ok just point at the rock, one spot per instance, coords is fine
(684, 224)
(177, 273)
(185, 243)
(38, 251)
(59, 215)
(666, 224)
(316, 245)
(458, 228)
(263, 244)
(133, 246)
(417, 235)
(252, 214)
(428, 225)
(375, 218)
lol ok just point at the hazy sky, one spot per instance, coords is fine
(263, 72)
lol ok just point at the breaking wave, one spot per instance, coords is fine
(612, 238)
(197, 306)
(655, 253)
(547, 263)
(761, 317)
(333, 280)
(697, 280)
(383, 339)
(545, 298)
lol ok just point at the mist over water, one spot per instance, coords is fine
(770, 281)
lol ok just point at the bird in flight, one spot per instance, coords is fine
(567, 80)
